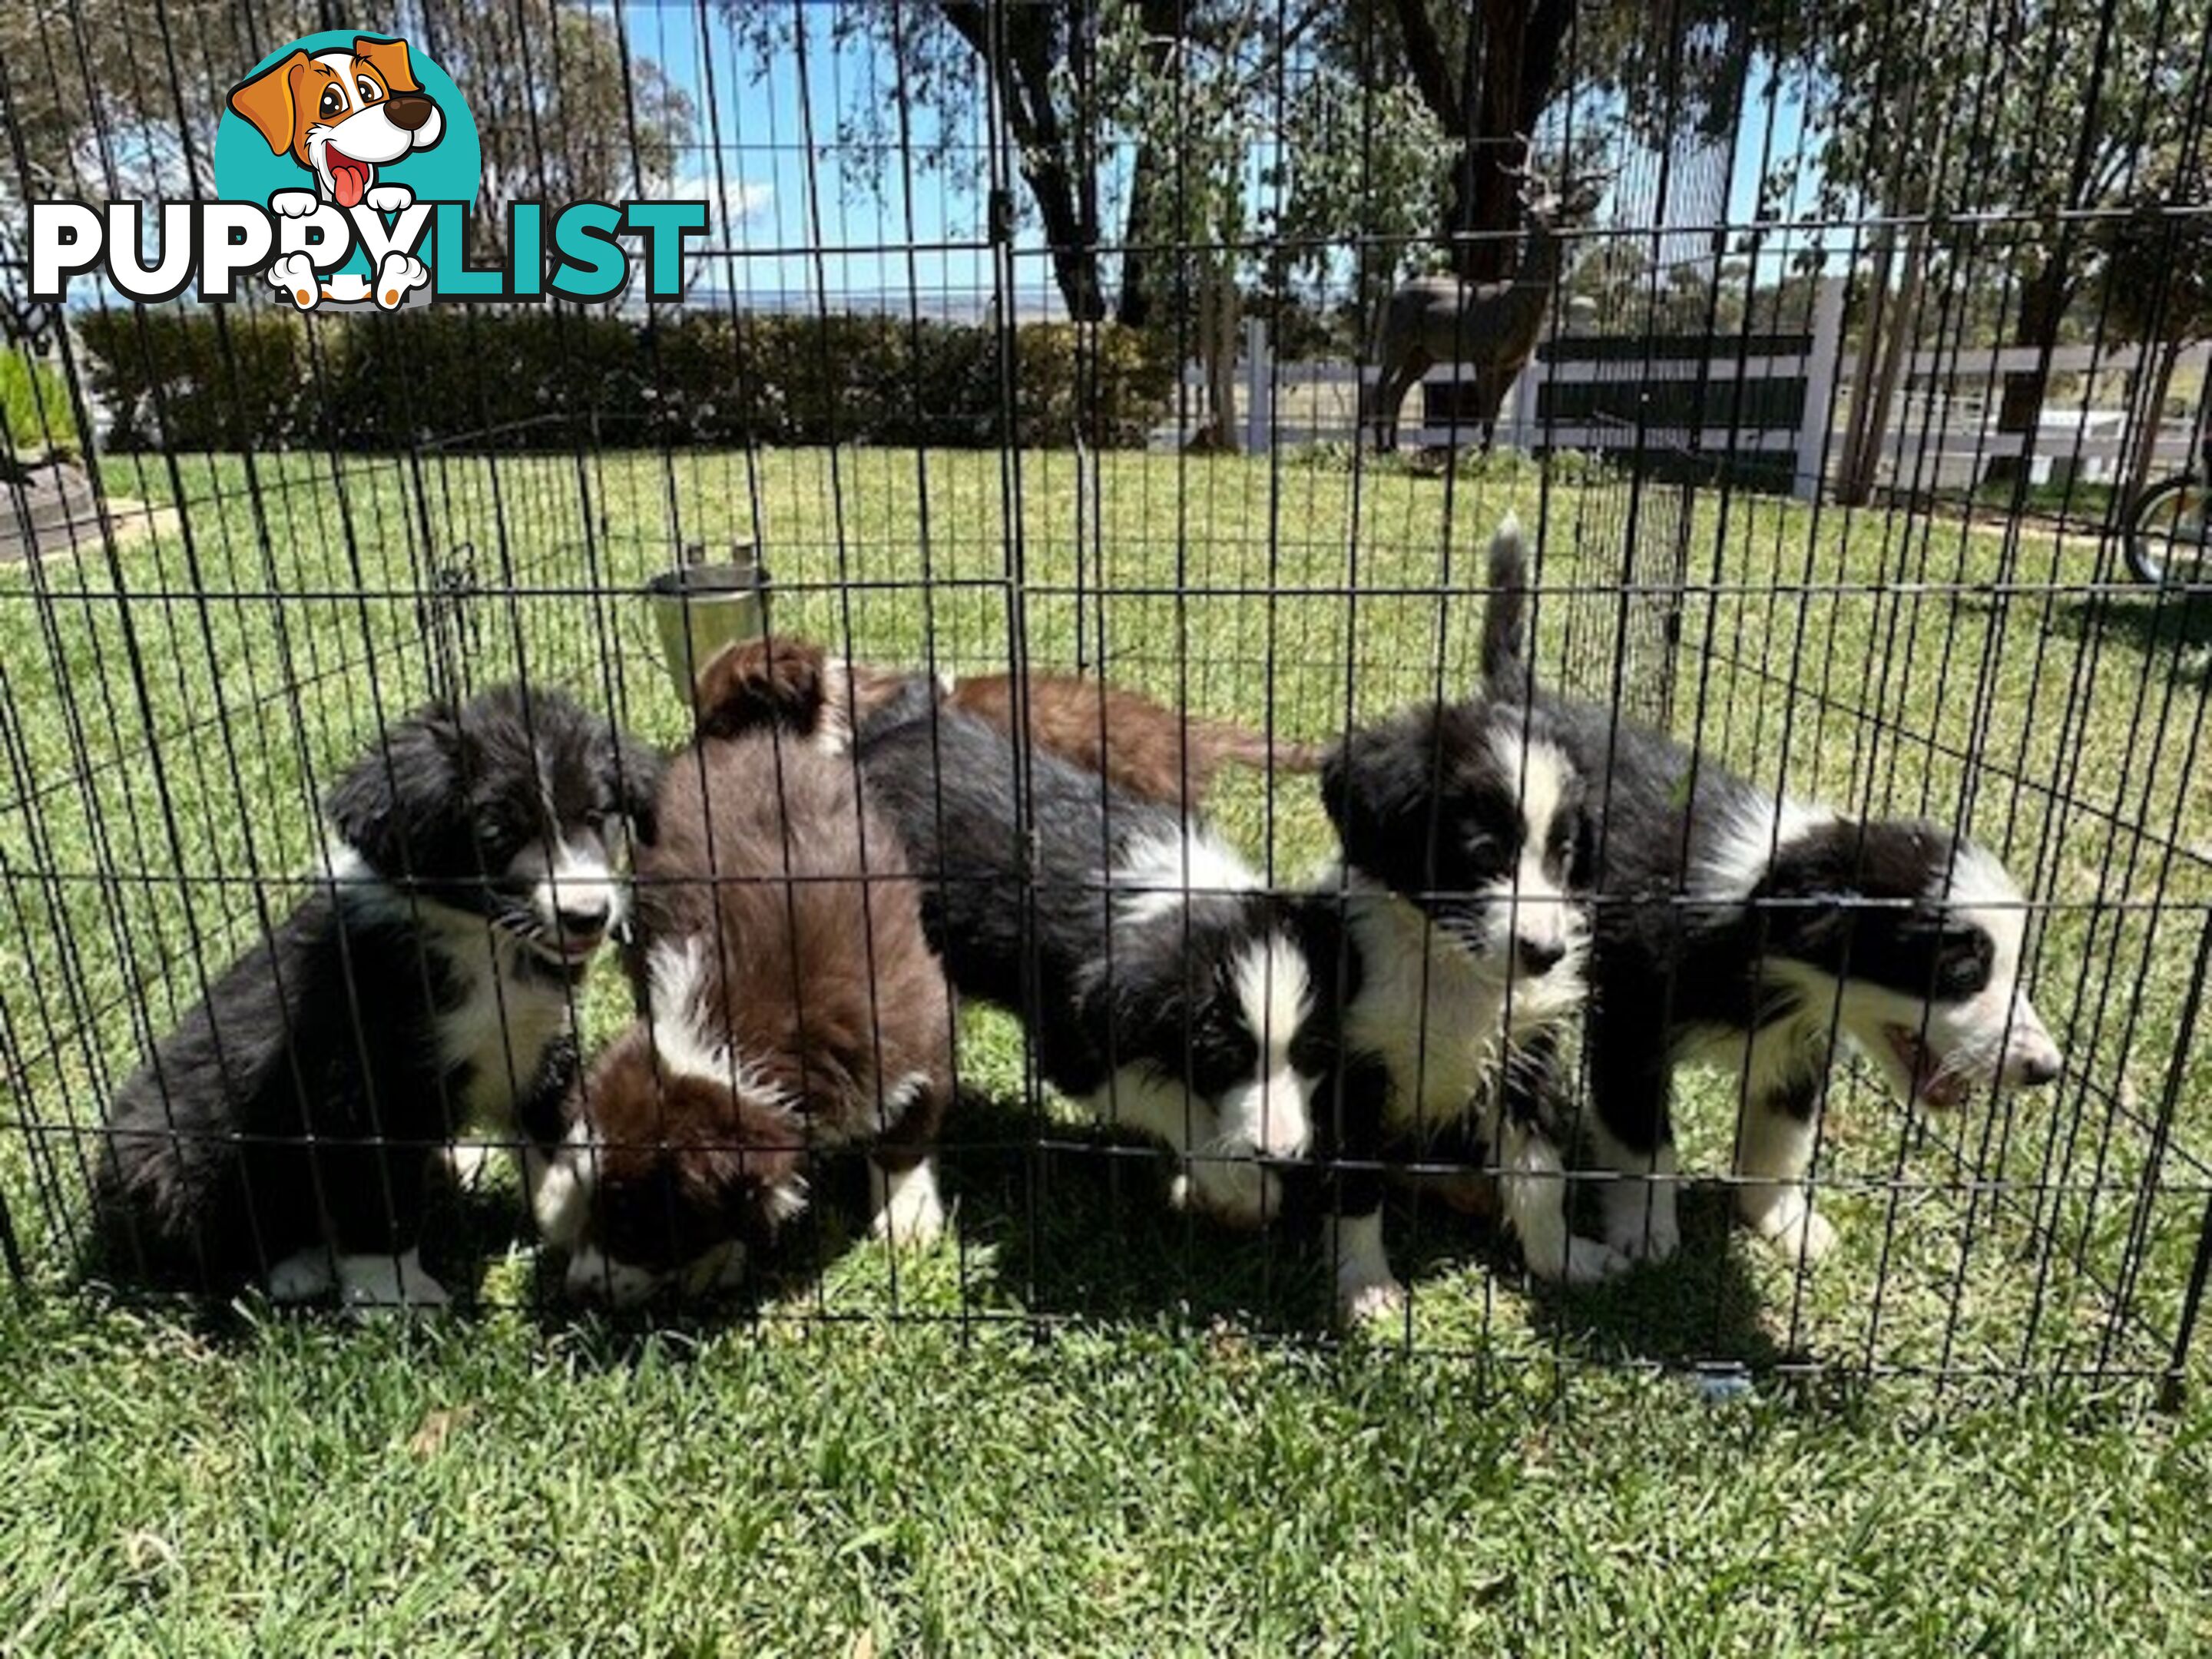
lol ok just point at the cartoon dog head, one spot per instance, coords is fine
(342, 114)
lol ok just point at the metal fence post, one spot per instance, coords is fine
(1259, 389)
(1822, 360)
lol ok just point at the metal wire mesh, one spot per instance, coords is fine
(1849, 578)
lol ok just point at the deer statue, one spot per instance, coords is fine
(1490, 327)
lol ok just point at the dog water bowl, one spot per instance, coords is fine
(700, 611)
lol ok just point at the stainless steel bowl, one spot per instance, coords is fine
(700, 610)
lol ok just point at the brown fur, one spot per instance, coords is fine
(1136, 743)
(820, 982)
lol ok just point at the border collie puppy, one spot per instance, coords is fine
(1460, 824)
(1140, 746)
(1163, 987)
(794, 1007)
(284, 1128)
(1741, 931)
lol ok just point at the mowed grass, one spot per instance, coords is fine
(1085, 1423)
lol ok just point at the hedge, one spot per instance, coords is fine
(35, 414)
(259, 379)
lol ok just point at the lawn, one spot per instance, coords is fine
(1084, 1424)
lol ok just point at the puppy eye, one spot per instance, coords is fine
(368, 88)
(1963, 968)
(333, 101)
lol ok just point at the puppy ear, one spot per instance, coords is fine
(393, 797)
(1375, 788)
(633, 781)
(769, 681)
(265, 102)
(390, 61)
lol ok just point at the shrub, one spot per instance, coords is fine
(35, 412)
(542, 377)
(205, 379)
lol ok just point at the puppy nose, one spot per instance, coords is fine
(2038, 1065)
(583, 916)
(408, 110)
(1539, 956)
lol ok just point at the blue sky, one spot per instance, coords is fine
(758, 128)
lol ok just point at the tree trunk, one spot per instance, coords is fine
(1074, 255)
(1853, 483)
(2042, 304)
(1023, 73)
(1891, 319)
(1490, 102)
(1217, 315)
(1133, 308)
(2150, 417)
(1896, 352)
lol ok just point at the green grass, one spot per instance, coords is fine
(1076, 1427)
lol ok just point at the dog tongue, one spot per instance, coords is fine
(349, 179)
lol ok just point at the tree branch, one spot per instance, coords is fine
(1431, 69)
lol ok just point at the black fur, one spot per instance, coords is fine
(1673, 954)
(1027, 922)
(331, 1027)
(1429, 806)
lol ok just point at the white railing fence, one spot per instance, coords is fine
(1940, 432)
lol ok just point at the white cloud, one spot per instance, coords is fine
(738, 201)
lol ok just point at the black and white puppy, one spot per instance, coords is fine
(1738, 930)
(284, 1129)
(1460, 824)
(1163, 987)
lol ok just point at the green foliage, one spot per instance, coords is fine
(195, 380)
(35, 414)
(2158, 260)
(1956, 107)
(219, 379)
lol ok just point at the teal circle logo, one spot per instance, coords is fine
(342, 115)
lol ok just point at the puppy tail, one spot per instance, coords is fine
(1242, 746)
(1503, 627)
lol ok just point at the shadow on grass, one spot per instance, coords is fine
(2170, 629)
(1066, 1223)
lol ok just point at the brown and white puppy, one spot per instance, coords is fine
(1137, 744)
(794, 1007)
(340, 115)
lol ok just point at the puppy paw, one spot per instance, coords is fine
(294, 203)
(468, 1164)
(398, 274)
(1361, 1302)
(389, 198)
(592, 1277)
(1797, 1232)
(1232, 1187)
(911, 1216)
(303, 1276)
(1565, 1258)
(376, 1286)
(294, 276)
(721, 1268)
(1642, 1231)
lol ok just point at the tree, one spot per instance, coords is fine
(1998, 124)
(2157, 282)
(957, 58)
(1272, 147)
(565, 110)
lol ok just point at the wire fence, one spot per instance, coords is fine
(1046, 340)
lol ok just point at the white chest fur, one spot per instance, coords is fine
(1427, 1009)
(502, 1022)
